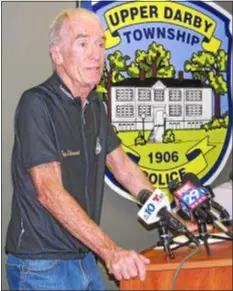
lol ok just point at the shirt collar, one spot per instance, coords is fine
(61, 86)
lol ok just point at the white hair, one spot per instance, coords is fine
(58, 24)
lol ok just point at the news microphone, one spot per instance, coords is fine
(156, 207)
(195, 200)
(189, 198)
(209, 192)
(223, 213)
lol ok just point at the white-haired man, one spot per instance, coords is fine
(63, 139)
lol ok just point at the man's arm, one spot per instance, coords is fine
(123, 264)
(127, 172)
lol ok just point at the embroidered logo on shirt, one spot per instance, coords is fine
(69, 153)
(98, 147)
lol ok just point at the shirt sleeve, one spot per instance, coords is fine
(34, 132)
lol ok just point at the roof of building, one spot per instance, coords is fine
(168, 82)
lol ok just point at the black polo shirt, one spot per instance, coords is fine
(52, 125)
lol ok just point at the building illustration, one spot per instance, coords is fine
(159, 104)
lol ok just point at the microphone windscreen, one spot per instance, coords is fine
(172, 186)
(190, 177)
(143, 196)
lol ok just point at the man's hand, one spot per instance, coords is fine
(126, 264)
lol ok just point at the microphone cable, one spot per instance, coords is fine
(197, 249)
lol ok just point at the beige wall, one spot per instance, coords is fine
(25, 62)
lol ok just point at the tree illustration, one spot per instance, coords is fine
(155, 62)
(139, 67)
(159, 60)
(118, 64)
(102, 88)
(133, 70)
(112, 74)
(210, 68)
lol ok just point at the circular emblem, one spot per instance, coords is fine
(167, 86)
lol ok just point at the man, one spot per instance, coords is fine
(62, 141)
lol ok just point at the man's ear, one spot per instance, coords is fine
(56, 55)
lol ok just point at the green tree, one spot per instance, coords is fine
(112, 74)
(210, 68)
(101, 88)
(139, 67)
(118, 64)
(159, 60)
(155, 62)
(133, 70)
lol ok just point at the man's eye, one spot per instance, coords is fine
(82, 44)
(102, 44)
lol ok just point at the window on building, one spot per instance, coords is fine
(194, 110)
(175, 110)
(144, 94)
(158, 95)
(124, 94)
(124, 111)
(174, 95)
(144, 108)
(193, 95)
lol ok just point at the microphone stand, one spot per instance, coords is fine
(166, 241)
(204, 235)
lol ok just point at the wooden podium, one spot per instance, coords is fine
(200, 272)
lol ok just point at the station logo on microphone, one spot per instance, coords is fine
(167, 86)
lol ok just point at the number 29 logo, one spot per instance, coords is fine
(192, 196)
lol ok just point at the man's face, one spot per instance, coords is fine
(82, 51)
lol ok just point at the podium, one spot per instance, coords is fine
(200, 272)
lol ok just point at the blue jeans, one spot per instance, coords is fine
(25, 274)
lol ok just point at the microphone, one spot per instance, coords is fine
(189, 198)
(156, 207)
(195, 200)
(209, 192)
(213, 205)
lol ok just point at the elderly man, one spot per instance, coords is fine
(63, 140)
